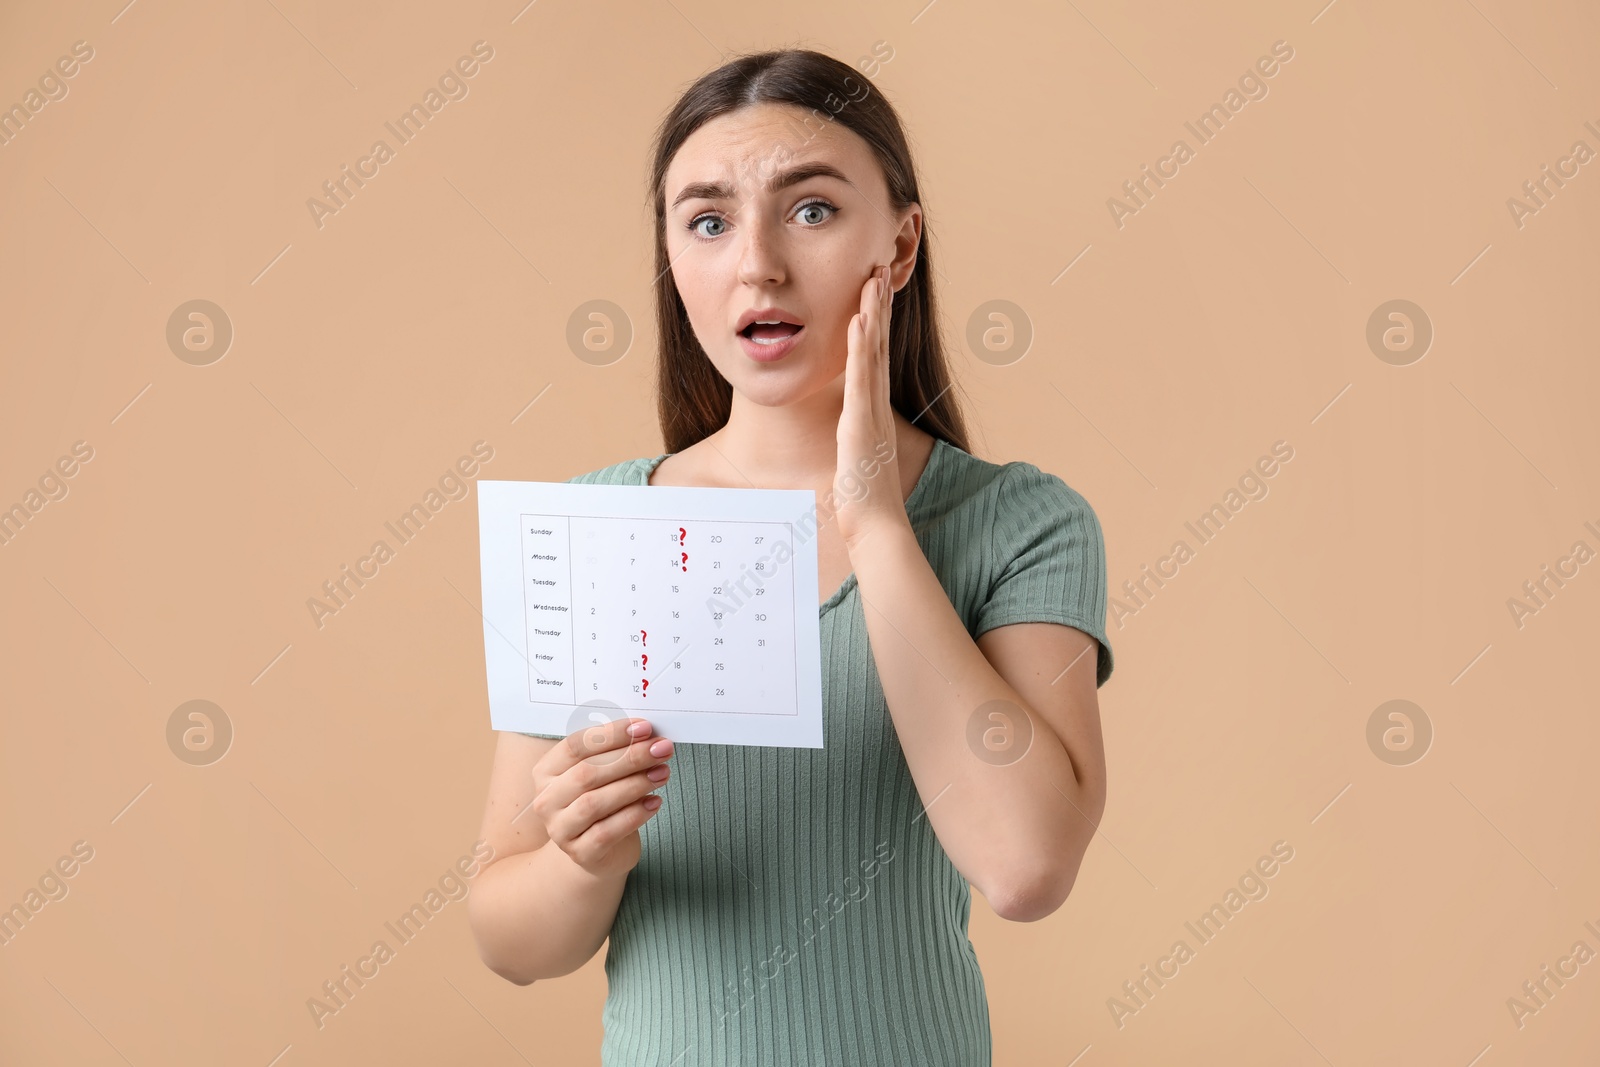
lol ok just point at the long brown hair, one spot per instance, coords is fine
(692, 399)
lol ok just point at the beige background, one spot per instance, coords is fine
(1229, 313)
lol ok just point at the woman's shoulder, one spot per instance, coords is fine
(627, 472)
(1013, 489)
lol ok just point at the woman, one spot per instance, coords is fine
(809, 906)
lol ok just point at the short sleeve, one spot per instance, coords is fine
(1047, 559)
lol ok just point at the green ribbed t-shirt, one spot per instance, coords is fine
(793, 905)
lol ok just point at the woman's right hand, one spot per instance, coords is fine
(593, 792)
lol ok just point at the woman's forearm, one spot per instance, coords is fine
(1008, 830)
(539, 915)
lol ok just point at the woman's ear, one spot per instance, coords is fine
(906, 242)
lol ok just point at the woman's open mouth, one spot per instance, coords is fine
(766, 341)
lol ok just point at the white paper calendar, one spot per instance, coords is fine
(692, 607)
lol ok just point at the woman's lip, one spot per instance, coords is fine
(776, 350)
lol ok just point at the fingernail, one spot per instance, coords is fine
(656, 774)
(639, 729)
(661, 747)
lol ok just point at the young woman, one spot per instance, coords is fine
(809, 906)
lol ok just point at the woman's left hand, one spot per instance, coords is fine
(866, 482)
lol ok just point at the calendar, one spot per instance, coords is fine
(692, 607)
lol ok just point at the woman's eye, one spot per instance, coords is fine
(817, 205)
(811, 214)
(694, 225)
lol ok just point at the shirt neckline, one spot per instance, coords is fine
(849, 583)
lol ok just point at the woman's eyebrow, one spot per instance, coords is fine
(722, 190)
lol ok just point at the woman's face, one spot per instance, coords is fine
(741, 249)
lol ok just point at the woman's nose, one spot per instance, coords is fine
(760, 256)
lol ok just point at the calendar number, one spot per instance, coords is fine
(649, 629)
